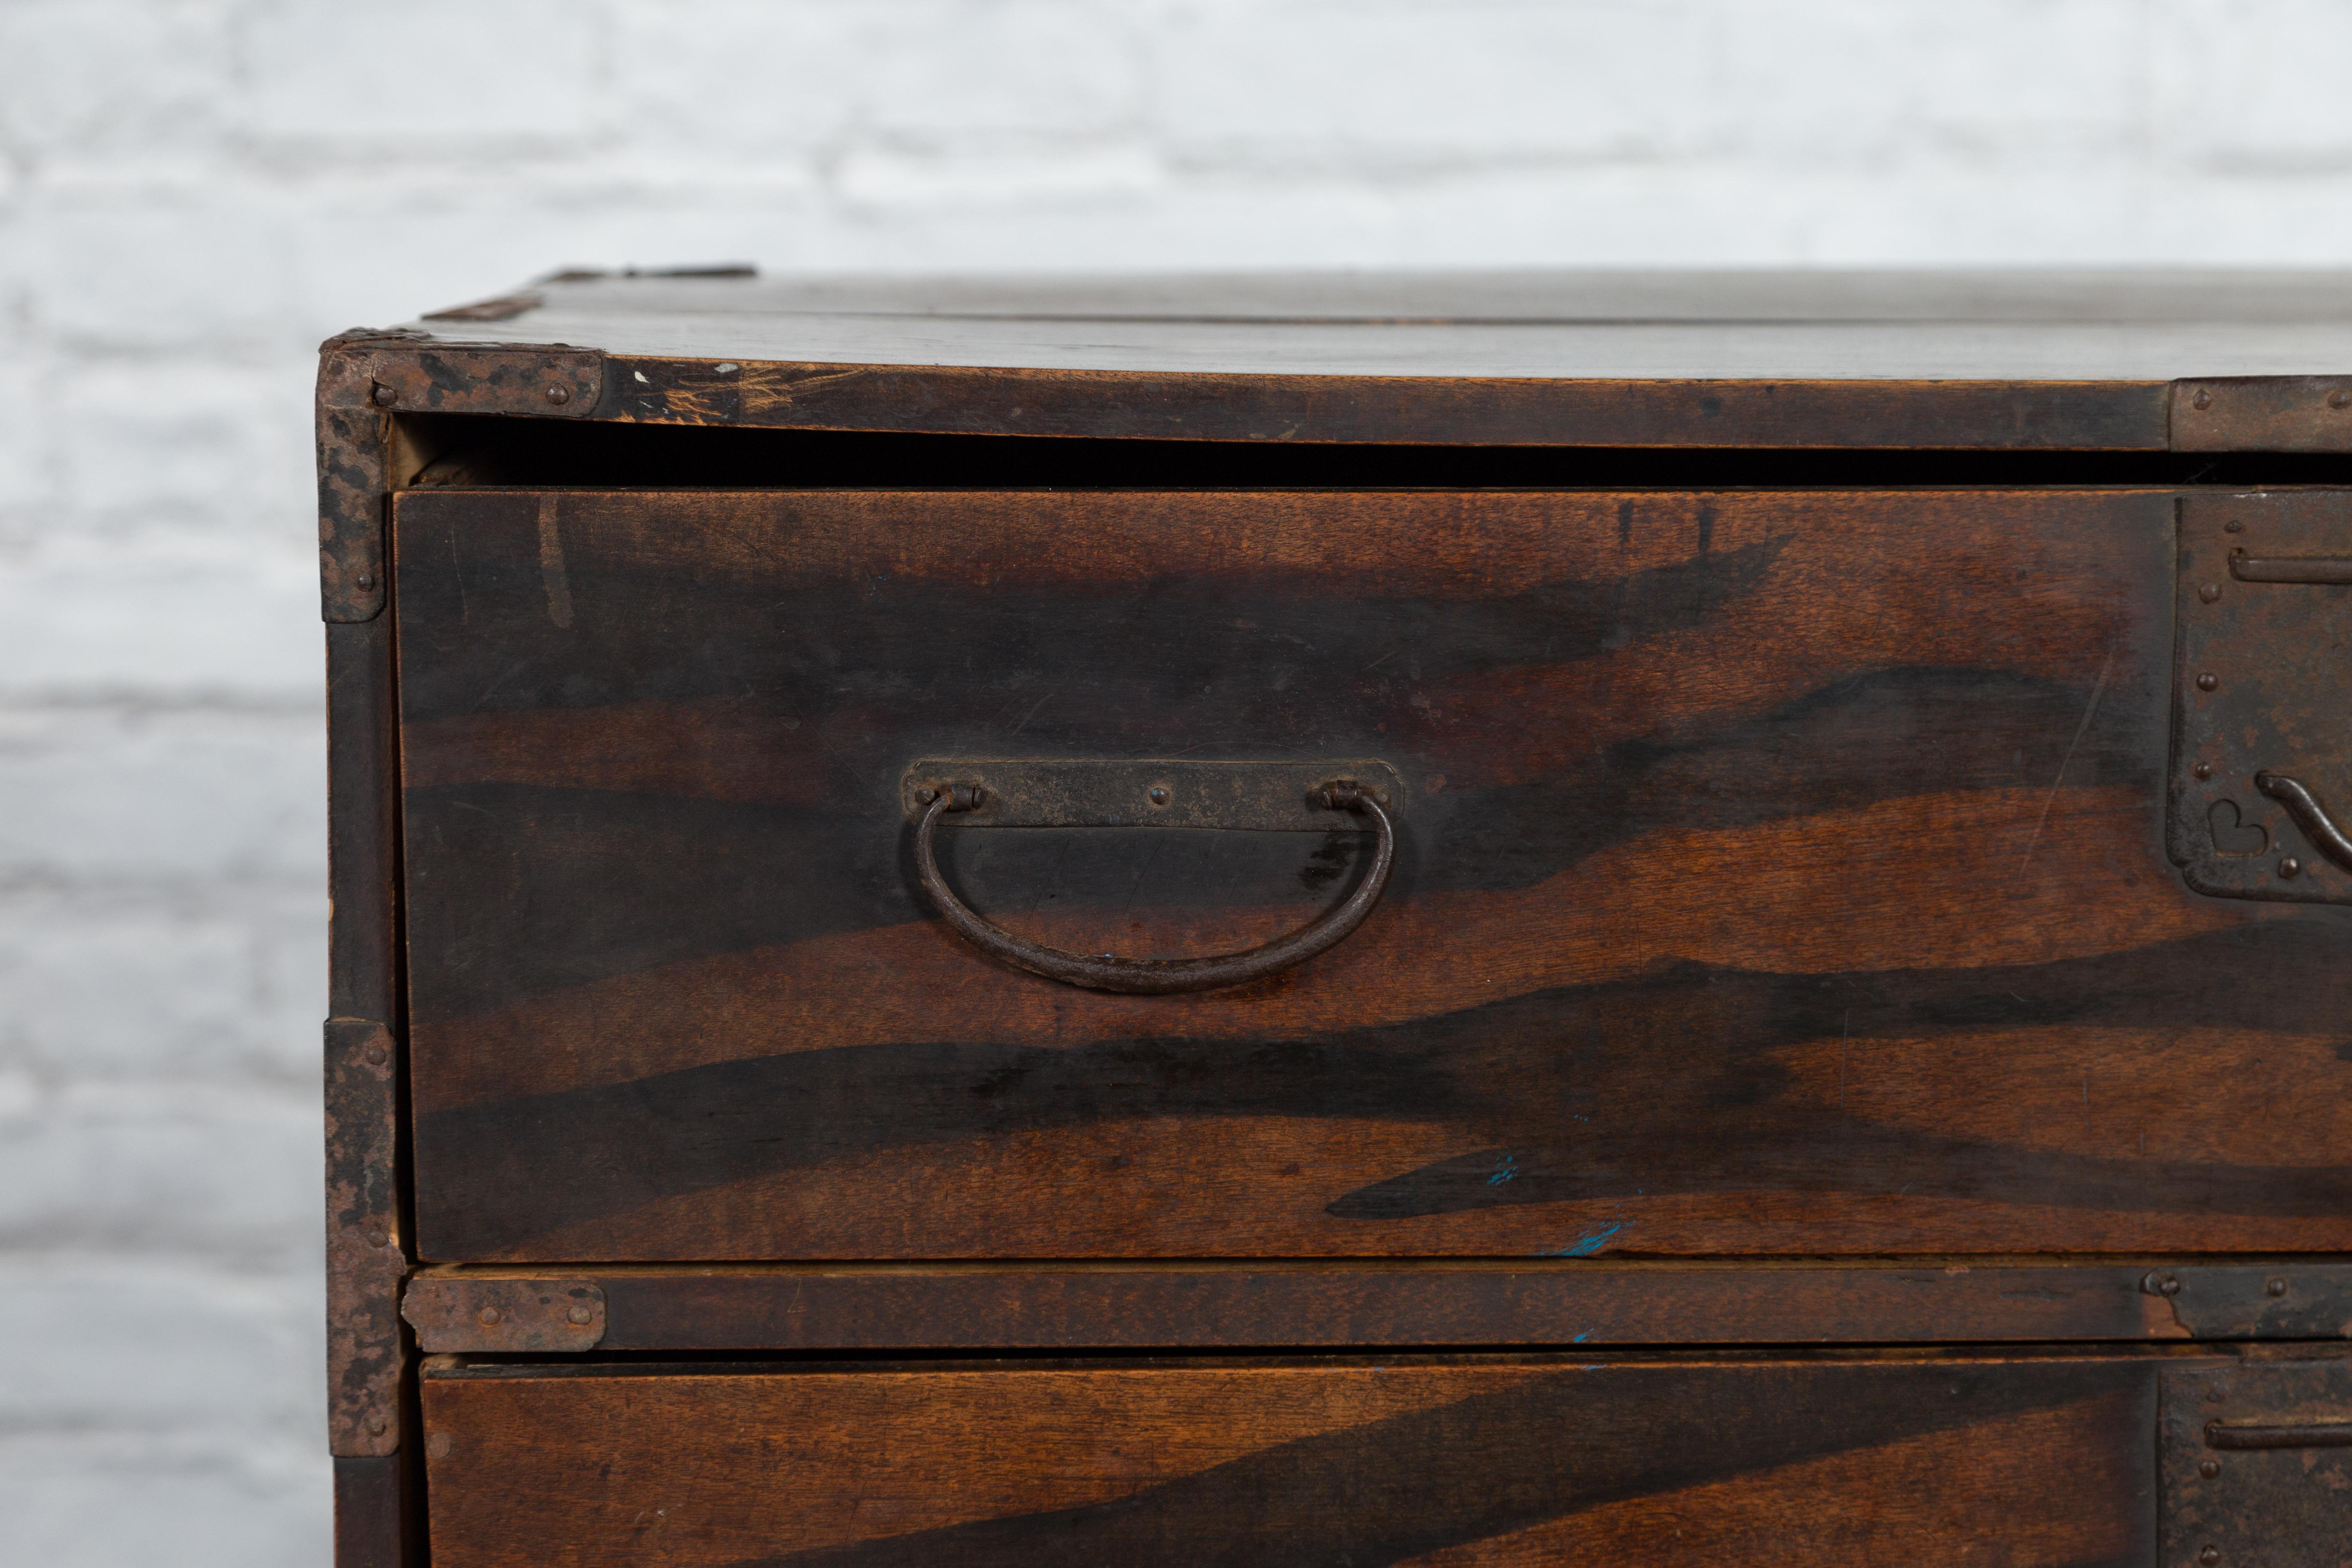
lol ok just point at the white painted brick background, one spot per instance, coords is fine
(194, 192)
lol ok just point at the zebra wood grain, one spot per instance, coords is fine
(2025, 1461)
(1785, 875)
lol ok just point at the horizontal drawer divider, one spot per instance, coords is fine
(1325, 1303)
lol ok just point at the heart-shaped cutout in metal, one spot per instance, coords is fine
(2233, 835)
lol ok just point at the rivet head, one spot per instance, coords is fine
(2290, 867)
(383, 397)
(2159, 1283)
(2204, 770)
(2208, 681)
(2208, 1469)
(2209, 1556)
(379, 1239)
(927, 794)
(2234, 526)
(440, 1446)
(377, 1426)
(376, 1056)
(2210, 591)
(1158, 794)
(2274, 1287)
(490, 1316)
(581, 1315)
(559, 395)
(2203, 399)
(2339, 399)
(365, 579)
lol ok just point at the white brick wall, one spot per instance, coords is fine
(194, 192)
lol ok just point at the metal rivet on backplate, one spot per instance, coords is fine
(582, 1315)
(2210, 591)
(366, 579)
(489, 1317)
(2290, 867)
(2340, 400)
(2233, 526)
(376, 1055)
(2204, 770)
(377, 1426)
(559, 395)
(2208, 681)
(2274, 1288)
(379, 1239)
(1158, 794)
(440, 1446)
(383, 397)
(2203, 399)
(2208, 1469)
(2209, 1556)
(2159, 1283)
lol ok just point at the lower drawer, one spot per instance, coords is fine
(1855, 1458)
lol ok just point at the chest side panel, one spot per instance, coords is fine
(1776, 872)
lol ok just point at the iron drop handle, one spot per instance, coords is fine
(1164, 976)
(2309, 816)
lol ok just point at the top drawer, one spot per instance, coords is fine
(1773, 872)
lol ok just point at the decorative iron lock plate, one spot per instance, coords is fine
(2261, 798)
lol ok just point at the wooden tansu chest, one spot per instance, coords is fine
(1352, 919)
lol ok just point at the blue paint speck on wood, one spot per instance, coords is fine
(1585, 1246)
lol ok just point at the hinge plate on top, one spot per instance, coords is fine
(2261, 791)
(2254, 1463)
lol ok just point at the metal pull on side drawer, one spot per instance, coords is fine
(2256, 1464)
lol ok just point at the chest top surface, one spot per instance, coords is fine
(2030, 326)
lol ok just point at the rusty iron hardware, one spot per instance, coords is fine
(690, 269)
(351, 489)
(2256, 1302)
(2235, 1493)
(1266, 797)
(2252, 1435)
(2262, 414)
(408, 376)
(1154, 788)
(364, 377)
(365, 1260)
(494, 1313)
(2263, 680)
(2309, 816)
(2248, 568)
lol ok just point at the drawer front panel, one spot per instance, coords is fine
(1528, 1462)
(1775, 872)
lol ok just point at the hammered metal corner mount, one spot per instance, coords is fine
(2262, 414)
(495, 1314)
(405, 375)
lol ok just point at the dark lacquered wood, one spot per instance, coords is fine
(1367, 1304)
(2042, 1460)
(362, 824)
(372, 1512)
(1537, 403)
(1787, 875)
